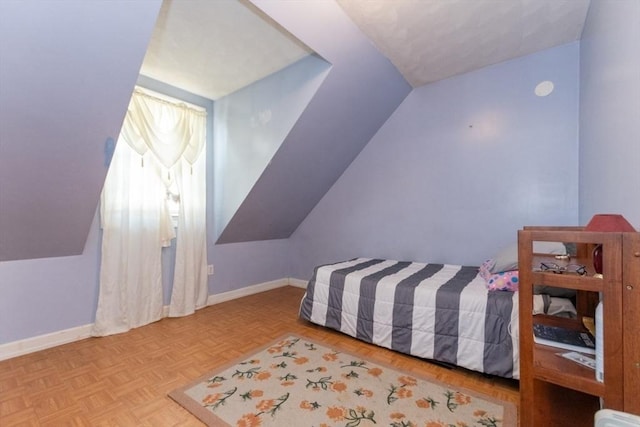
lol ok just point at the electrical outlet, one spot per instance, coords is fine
(210, 270)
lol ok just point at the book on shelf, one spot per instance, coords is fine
(568, 339)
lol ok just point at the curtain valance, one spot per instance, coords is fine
(168, 130)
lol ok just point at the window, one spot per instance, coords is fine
(157, 174)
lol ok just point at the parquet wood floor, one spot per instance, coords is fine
(123, 380)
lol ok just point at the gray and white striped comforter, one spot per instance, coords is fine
(434, 311)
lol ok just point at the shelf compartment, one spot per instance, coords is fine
(555, 390)
(571, 281)
(550, 367)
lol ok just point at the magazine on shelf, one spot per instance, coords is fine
(568, 339)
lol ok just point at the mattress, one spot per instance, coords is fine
(434, 311)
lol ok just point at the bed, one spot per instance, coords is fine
(441, 312)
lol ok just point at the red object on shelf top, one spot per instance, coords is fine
(608, 222)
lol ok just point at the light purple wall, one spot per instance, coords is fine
(50, 294)
(610, 111)
(357, 96)
(250, 126)
(67, 69)
(248, 263)
(456, 170)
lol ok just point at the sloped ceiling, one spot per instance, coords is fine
(215, 48)
(425, 40)
(357, 96)
(67, 70)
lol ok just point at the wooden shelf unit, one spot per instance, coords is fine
(557, 391)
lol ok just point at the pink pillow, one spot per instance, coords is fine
(505, 281)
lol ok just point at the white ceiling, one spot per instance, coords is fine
(214, 47)
(430, 40)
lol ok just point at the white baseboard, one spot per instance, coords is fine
(246, 291)
(298, 283)
(42, 342)
(53, 339)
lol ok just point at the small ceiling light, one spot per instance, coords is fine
(544, 88)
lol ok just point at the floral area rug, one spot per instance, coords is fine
(298, 382)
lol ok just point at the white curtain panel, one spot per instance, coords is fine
(160, 141)
(132, 221)
(190, 289)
